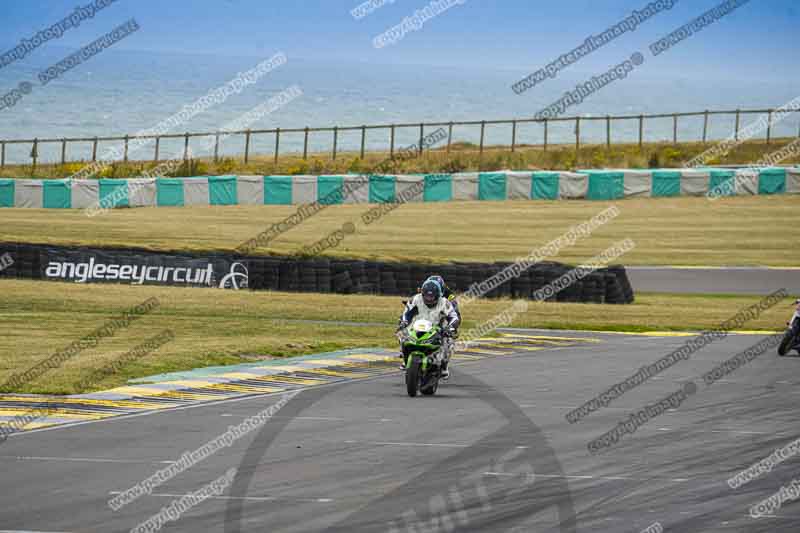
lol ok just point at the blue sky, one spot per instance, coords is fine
(757, 41)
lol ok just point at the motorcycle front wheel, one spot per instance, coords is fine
(786, 343)
(413, 376)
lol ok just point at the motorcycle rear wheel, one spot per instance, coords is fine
(432, 385)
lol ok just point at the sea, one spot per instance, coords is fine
(121, 92)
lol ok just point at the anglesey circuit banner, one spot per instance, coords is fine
(138, 268)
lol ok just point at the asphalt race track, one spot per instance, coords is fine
(492, 451)
(725, 280)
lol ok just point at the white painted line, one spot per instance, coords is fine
(741, 431)
(631, 409)
(407, 444)
(331, 418)
(561, 476)
(418, 444)
(82, 460)
(26, 531)
(244, 498)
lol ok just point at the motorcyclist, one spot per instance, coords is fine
(447, 292)
(431, 305)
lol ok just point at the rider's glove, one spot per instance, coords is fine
(403, 324)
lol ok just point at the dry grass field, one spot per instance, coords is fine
(667, 231)
(214, 327)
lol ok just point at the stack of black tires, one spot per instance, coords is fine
(607, 285)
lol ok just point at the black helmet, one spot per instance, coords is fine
(431, 292)
(437, 279)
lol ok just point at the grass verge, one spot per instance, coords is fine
(667, 231)
(214, 327)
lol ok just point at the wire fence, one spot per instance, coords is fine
(248, 137)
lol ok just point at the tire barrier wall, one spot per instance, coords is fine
(296, 190)
(133, 266)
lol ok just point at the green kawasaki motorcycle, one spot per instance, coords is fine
(422, 355)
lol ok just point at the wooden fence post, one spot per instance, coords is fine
(125, 157)
(2, 154)
(736, 130)
(608, 132)
(277, 143)
(421, 137)
(545, 134)
(305, 144)
(335, 140)
(513, 135)
(449, 136)
(247, 147)
(363, 139)
(186, 146)
(641, 130)
(35, 152)
(705, 126)
(483, 130)
(158, 145)
(674, 129)
(577, 137)
(216, 147)
(63, 151)
(769, 126)
(391, 141)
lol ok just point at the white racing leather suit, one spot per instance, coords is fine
(441, 314)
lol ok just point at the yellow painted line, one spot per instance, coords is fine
(335, 362)
(191, 383)
(240, 375)
(325, 372)
(243, 388)
(541, 342)
(181, 395)
(127, 404)
(646, 334)
(60, 413)
(281, 378)
(503, 340)
(85, 401)
(684, 333)
(371, 357)
(480, 344)
(482, 352)
(283, 368)
(668, 334)
(39, 425)
(552, 338)
(136, 391)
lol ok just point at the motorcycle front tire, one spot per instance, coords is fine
(787, 342)
(413, 375)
